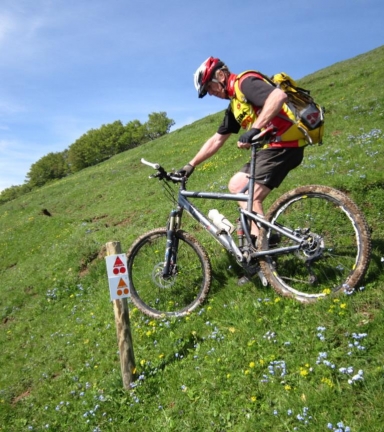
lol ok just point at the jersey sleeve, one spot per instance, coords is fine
(256, 90)
(229, 124)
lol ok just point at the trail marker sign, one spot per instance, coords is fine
(117, 276)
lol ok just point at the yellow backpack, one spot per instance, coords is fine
(308, 114)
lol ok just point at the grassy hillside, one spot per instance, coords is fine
(246, 361)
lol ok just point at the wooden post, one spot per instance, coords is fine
(123, 330)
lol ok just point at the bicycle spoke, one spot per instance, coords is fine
(179, 293)
(337, 250)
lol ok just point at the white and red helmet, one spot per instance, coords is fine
(205, 73)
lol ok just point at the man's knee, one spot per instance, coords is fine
(237, 182)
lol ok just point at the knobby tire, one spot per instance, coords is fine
(177, 295)
(345, 244)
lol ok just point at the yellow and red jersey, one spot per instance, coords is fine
(245, 113)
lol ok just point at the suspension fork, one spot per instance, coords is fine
(172, 243)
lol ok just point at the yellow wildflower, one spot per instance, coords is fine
(328, 382)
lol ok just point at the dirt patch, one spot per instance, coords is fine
(123, 222)
(21, 396)
(336, 132)
(86, 264)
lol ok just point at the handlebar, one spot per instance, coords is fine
(161, 173)
(264, 135)
(153, 165)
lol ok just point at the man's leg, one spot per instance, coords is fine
(237, 183)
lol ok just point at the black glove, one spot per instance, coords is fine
(186, 171)
(246, 138)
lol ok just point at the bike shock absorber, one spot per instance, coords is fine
(240, 233)
(171, 245)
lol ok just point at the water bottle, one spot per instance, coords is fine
(221, 221)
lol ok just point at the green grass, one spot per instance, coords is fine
(247, 360)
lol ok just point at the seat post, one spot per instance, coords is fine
(251, 184)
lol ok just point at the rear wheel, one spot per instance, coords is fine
(337, 250)
(180, 293)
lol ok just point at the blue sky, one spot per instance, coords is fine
(67, 66)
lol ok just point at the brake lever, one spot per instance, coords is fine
(175, 177)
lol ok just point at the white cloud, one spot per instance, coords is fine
(6, 27)
(10, 107)
(14, 160)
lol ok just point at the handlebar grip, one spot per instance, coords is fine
(263, 133)
(153, 165)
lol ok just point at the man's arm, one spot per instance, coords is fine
(271, 108)
(208, 149)
(263, 95)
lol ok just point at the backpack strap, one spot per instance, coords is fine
(263, 77)
(255, 74)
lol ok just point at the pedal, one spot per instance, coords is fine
(253, 270)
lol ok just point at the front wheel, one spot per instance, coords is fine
(183, 290)
(337, 249)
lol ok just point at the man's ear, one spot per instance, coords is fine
(220, 76)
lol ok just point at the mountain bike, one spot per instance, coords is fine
(323, 246)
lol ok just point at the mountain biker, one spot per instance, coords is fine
(261, 106)
(254, 105)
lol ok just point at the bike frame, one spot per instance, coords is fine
(246, 216)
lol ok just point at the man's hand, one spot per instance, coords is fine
(186, 171)
(246, 138)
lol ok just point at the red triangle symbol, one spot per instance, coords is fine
(118, 263)
(313, 116)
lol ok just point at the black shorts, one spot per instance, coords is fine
(273, 165)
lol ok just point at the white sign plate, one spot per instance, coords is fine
(116, 265)
(119, 287)
(117, 276)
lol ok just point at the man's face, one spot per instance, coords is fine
(215, 88)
